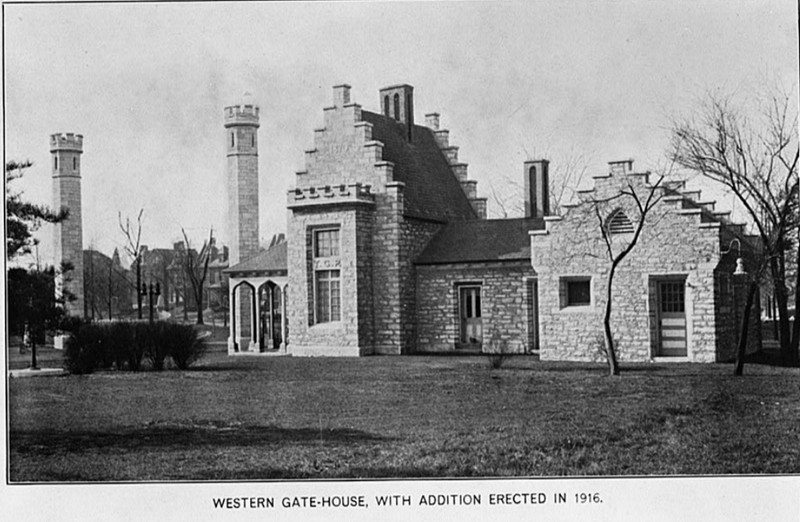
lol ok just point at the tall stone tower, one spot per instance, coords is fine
(241, 135)
(66, 150)
(241, 142)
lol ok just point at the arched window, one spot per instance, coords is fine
(75, 163)
(397, 107)
(55, 163)
(619, 223)
(386, 105)
(532, 195)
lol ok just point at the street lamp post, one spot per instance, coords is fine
(151, 292)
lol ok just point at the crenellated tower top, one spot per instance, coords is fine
(66, 141)
(236, 115)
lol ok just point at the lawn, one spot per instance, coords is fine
(282, 417)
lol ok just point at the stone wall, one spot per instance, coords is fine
(415, 235)
(506, 310)
(243, 206)
(350, 335)
(676, 242)
(69, 234)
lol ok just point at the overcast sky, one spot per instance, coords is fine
(146, 84)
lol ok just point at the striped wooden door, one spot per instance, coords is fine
(672, 318)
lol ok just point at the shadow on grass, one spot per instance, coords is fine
(47, 442)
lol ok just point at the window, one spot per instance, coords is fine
(619, 223)
(327, 297)
(232, 143)
(576, 291)
(253, 140)
(386, 106)
(397, 107)
(55, 163)
(326, 243)
(75, 163)
(327, 276)
(672, 296)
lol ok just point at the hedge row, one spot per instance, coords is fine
(126, 345)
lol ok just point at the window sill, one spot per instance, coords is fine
(331, 325)
(577, 309)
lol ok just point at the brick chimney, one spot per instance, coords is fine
(537, 188)
(620, 166)
(397, 103)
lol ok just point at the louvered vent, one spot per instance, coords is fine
(620, 223)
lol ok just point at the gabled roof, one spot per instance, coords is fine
(271, 260)
(432, 191)
(481, 241)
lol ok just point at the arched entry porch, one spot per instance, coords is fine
(257, 297)
(257, 315)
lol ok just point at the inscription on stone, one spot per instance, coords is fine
(327, 263)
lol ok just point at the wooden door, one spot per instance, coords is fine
(470, 312)
(672, 318)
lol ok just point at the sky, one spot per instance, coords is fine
(146, 83)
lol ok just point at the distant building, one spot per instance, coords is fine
(107, 286)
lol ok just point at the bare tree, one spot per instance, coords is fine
(196, 269)
(643, 199)
(754, 158)
(133, 238)
(507, 196)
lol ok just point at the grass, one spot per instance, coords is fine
(282, 417)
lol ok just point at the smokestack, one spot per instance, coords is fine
(537, 188)
(397, 103)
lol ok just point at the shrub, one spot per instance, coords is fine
(498, 359)
(186, 346)
(125, 345)
(122, 348)
(498, 351)
(155, 341)
(70, 323)
(83, 352)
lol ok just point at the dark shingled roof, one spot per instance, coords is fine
(481, 241)
(272, 259)
(432, 190)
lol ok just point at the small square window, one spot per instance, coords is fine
(576, 291)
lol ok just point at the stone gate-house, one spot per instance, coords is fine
(388, 251)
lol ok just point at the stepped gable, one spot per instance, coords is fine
(271, 260)
(481, 241)
(431, 190)
(678, 199)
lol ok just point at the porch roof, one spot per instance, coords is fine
(271, 260)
